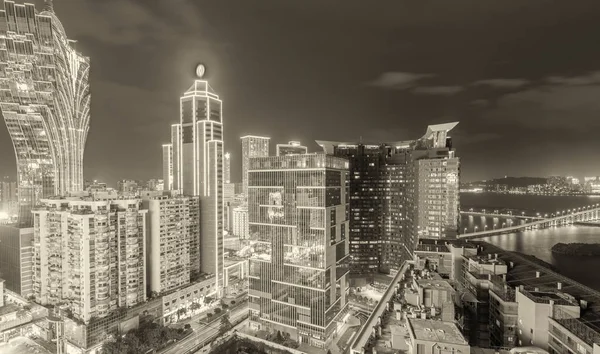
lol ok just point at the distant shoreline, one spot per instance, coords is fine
(577, 249)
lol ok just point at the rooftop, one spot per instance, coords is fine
(487, 259)
(8, 308)
(437, 331)
(434, 284)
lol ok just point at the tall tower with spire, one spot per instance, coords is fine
(45, 102)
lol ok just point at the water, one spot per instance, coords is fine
(539, 242)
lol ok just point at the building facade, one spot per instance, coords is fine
(16, 259)
(45, 101)
(227, 168)
(240, 222)
(172, 242)
(298, 266)
(376, 189)
(167, 150)
(432, 194)
(198, 168)
(90, 255)
(291, 148)
(252, 146)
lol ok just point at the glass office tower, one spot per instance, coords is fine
(252, 146)
(298, 220)
(45, 101)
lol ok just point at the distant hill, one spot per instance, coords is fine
(510, 181)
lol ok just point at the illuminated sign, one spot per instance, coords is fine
(200, 70)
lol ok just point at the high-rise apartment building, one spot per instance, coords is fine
(399, 191)
(227, 168)
(298, 227)
(433, 207)
(45, 101)
(252, 146)
(198, 168)
(376, 209)
(167, 150)
(240, 221)
(89, 254)
(291, 148)
(172, 242)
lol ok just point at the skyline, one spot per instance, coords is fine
(531, 77)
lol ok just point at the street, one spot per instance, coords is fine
(203, 332)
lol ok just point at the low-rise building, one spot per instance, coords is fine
(188, 300)
(434, 293)
(433, 337)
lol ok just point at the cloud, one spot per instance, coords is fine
(129, 22)
(502, 83)
(398, 80)
(565, 108)
(589, 79)
(438, 90)
(480, 103)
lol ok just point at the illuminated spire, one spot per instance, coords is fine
(48, 5)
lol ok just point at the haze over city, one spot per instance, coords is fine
(523, 82)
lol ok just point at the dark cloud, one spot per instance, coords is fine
(503, 83)
(437, 90)
(289, 69)
(398, 80)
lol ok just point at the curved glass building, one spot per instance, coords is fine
(45, 101)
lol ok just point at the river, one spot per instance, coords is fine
(539, 242)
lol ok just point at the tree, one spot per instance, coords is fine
(279, 337)
(180, 312)
(194, 306)
(225, 324)
(328, 351)
(218, 310)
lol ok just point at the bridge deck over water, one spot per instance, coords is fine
(585, 215)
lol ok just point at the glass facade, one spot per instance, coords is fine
(252, 146)
(298, 225)
(45, 101)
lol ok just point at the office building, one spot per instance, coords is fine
(172, 244)
(240, 222)
(90, 255)
(129, 187)
(227, 168)
(252, 146)
(167, 150)
(376, 189)
(291, 148)
(198, 169)
(16, 258)
(45, 100)
(432, 199)
(298, 263)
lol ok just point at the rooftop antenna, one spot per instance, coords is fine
(49, 5)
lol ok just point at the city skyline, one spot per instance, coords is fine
(517, 96)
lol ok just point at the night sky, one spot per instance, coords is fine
(522, 77)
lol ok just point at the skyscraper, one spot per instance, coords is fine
(172, 241)
(227, 168)
(298, 225)
(433, 206)
(291, 148)
(45, 101)
(399, 192)
(89, 254)
(252, 146)
(198, 169)
(376, 208)
(167, 150)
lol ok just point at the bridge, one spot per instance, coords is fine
(567, 217)
(498, 215)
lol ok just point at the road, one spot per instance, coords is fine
(202, 332)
